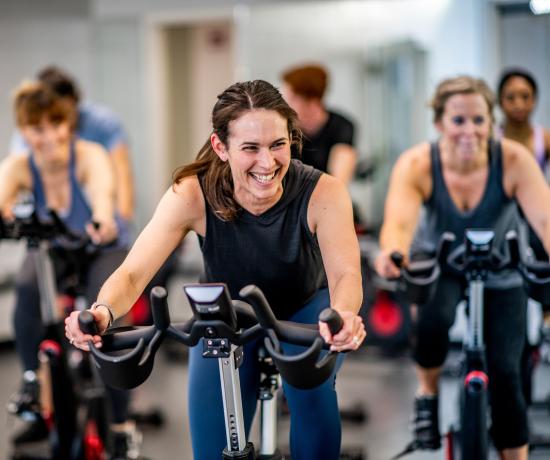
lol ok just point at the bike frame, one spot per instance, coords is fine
(474, 392)
(69, 441)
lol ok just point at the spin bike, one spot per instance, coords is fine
(472, 261)
(224, 326)
(78, 420)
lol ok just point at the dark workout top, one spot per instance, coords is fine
(275, 251)
(79, 212)
(495, 211)
(316, 148)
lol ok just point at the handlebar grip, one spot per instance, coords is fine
(333, 319)
(397, 258)
(86, 322)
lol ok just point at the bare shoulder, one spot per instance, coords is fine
(328, 189)
(17, 167)
(514, 154)
(184, 204)
(87, 150)
(416, 160)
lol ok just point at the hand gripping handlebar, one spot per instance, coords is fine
(419, 278)
(221, 322)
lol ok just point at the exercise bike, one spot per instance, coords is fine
(224, 326)
(78, 418)
(473, 261)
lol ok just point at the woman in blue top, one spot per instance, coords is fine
(263, 218)
(74, 178)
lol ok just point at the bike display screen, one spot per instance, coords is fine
(210, 302)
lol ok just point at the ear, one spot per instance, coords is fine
(439, 126)
(218, 146)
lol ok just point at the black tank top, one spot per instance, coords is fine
(495, 211)
(275, 251)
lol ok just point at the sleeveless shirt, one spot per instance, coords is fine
(496, 211)
(275, 251)
(79, 212)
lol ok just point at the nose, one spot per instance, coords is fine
(265, 159)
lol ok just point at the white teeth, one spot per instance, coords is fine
(263, 177)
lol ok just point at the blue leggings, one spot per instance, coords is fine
(315, 430)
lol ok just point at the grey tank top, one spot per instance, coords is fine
(495, 211)
(275, 250)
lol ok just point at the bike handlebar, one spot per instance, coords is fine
(255, 320)
(420, 277)
(28, 225)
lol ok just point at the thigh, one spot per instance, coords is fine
(505, 328)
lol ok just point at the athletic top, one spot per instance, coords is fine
(276, 251)
(95, 123)
(495, 211)
(316, 148)
(79, 212)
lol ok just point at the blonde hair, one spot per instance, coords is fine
(463, 84)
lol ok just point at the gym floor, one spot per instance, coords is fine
(384, 386)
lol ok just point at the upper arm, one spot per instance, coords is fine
(13, 178)
(96, 170)
(330, 217)
(341, 162)
(409, 182)
(180, 210)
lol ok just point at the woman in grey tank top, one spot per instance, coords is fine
(466, 180)
(261, 217)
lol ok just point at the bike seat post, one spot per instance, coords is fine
(229, 358)
(46, 283)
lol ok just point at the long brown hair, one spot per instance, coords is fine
(215, 174)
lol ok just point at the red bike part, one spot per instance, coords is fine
(50, 345)
(385, 315)
(477, 375)
(93, 445)
(449, 445)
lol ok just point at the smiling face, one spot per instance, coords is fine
(258, 152)
(517, 99)
(465, 126)
(49, 139)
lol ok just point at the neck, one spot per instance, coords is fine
(315, 119)
(517, 129)
(452, 160)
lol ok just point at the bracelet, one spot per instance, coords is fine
(109, 309)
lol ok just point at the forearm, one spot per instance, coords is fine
(119, 292)
(395, 238)
(347, 293)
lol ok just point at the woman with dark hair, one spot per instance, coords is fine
(517, 96)
(261, 218)
(464, 180)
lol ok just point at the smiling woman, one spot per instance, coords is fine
(262, 219)
(74, 178)
(466, 180)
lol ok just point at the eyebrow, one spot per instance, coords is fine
(253, 143)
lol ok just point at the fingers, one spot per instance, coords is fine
(351, 335)
(76, 337)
